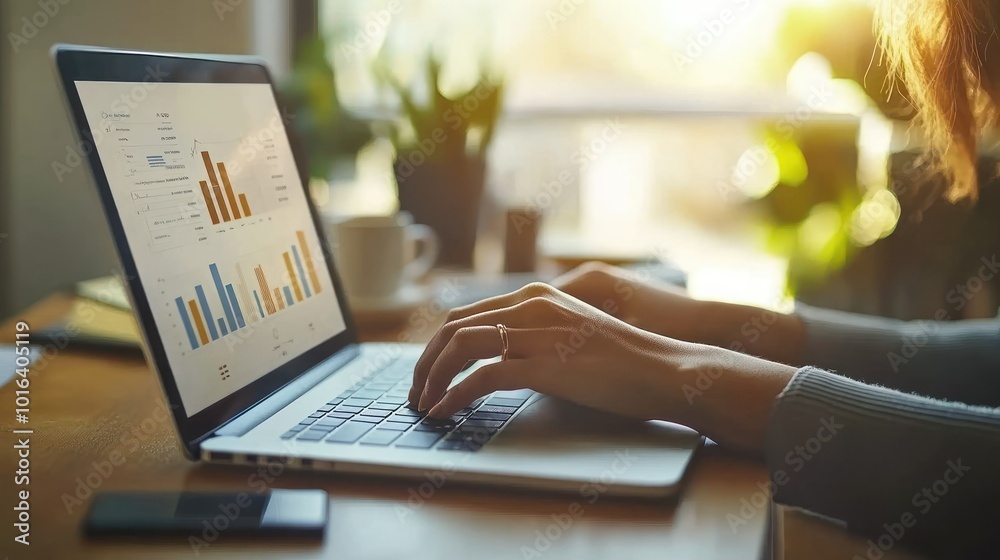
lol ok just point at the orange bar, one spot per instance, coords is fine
(277, 296)
(310, 269)
(265, 292)
(196, 315)
(222, 203)
(208, 201)
(291, 274)
(244, 204)
(229, 191)
(215, 186)
(211, 170)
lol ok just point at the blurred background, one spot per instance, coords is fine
(755, 145)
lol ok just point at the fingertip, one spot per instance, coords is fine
(440, 410)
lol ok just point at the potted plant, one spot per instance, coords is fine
(440, 160)
(332, 135)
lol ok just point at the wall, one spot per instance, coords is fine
(52, 233)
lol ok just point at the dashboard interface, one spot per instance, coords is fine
(203, 177)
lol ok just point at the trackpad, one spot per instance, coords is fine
(557, 425)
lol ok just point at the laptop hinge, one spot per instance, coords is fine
(284, 396)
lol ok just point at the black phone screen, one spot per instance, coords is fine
(208, 514)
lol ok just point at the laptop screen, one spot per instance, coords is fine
(210, 199)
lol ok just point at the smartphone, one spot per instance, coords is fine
(209, 515)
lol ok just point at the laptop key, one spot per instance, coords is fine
(350, 432)
(308, 421)
(445, 423)
(497, 409)
(481, 423)
(393, 400)
(421, 440)
(472, 440)
(375, 412)
(312, 435)
(432, 428)
(352, 409)
(506, 401)
(459, 445)
(297, 428)
(407, 419)
(480, 436)
(355, 402)
(410, 412)
(489, 416)
(383, 406)
(325, 429)
(330, 422)
(340, 414)
(367, 419)
(316, 414)
(395, 426)
(380, 437)
(345, 394)
(289, 434)
(367, 394)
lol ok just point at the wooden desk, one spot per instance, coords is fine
(87, 410)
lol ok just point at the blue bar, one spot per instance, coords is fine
(222, 327)
(209, 320)
(259, 306)
(187, 323)
(302, 273)
(288, 296)
(222, 296)
(236, 305)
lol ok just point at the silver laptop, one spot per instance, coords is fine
(244, 318)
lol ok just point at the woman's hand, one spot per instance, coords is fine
(667, 310)
(561, 346)
(656, 307)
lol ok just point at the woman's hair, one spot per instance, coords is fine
(947, 53)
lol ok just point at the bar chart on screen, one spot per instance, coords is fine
(227, 299)
(179, 213)
(223, 202)
(239, 178)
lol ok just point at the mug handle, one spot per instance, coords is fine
(427, 256)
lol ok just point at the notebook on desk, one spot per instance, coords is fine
(94, 326)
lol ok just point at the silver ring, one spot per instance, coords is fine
(504, 341)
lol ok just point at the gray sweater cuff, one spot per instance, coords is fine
(865, 454)
(952, 360)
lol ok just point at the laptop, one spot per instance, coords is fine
(244, 318)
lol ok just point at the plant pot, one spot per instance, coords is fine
(444, 194)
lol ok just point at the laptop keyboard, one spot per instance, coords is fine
(374, 412)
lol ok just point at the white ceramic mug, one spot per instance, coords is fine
(378, 255)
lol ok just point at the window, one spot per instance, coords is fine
(647, 106)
